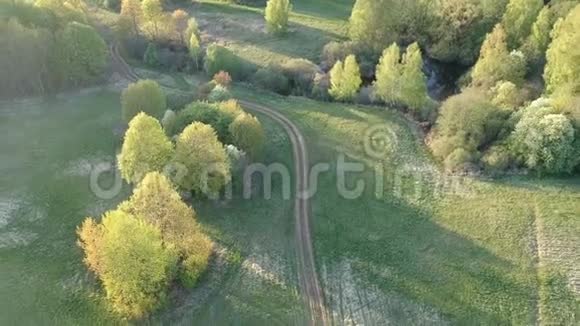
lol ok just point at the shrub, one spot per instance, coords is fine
(345, 79)
(272, 79)
(133, 264)
(156, 202)
(276, 15)
(219, 58)
(219, 94)
(177, 100)
(199, 151)
(497, 159)
(336, 51)
(150, 57)
(300, 73)
(146, 148)
(206, 88)
(223, 79)
(207, 113)
(544, 141)
(320, 87)
(248, 134)
(143, 96)
(467, 121)
(459, 159)
(365, 96)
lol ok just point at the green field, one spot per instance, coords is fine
(442, 248)
(242, 29)
(45, 194)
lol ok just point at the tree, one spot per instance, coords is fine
(180, 20)
(388, 84)
(143, 96)
(467, 124)
(518, 20)
(276, 14)
(150, 57)
(345, 79)
(413, 81)
(544, 140)
(496, 63)
(79, 53)
(146, 148)
(153, 14)
(220, 58)
(157, 203)
(133, 264)
(192, 28)
(506, 95)
(539, 38)
(563, 56)
(131, 10)
(248, 134)
(194, 49)
(203, 158)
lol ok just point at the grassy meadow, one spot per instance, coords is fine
(45, 194)
(432, 248)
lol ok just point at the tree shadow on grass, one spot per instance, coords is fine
(400, 249)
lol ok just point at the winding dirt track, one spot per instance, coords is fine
(308, 279)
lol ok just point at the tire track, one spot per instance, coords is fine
(308, 279)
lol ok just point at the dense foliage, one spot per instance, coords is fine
(248, 134)
(202, 159)
(276, 15)
(345, 79)
(146, 148)
(143, 96)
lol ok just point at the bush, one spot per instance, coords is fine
(150, 57)
(365, 96)
(177, 100)
(219, 94)
(207, 113)
(300, 73)
(219, 58)
(168, 121)
(248, 134)
(459, 160)
(223, 79)
(156, 202)
(143, 96)
(203, 157)
(468, 122)
(146, 148)
(497, 159)
(272, 79)
(130, 259)
(544, 141)
(320, 87)
(204, 90)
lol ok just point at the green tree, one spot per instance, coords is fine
(413, 81)
(146, 148)
(506, 95)
(203, 158)
(497, 63)
(153, 14)
(345, 79)
(388, 76)
(79, 53)
(192, 28)
(194, 49)
(134, 266)
(131, 10)
(150, 57)
(518, 20)
(220, 58)
(248, 134)
(544, 140)
(156, 201)
(539, 38)
(276, 14)
(143, 96)
(563, 56)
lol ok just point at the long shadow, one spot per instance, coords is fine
(400, 249)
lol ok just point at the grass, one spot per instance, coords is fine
(242, 29)
(45, 194)
(433, 248)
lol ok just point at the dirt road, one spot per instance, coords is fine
(308, 279)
